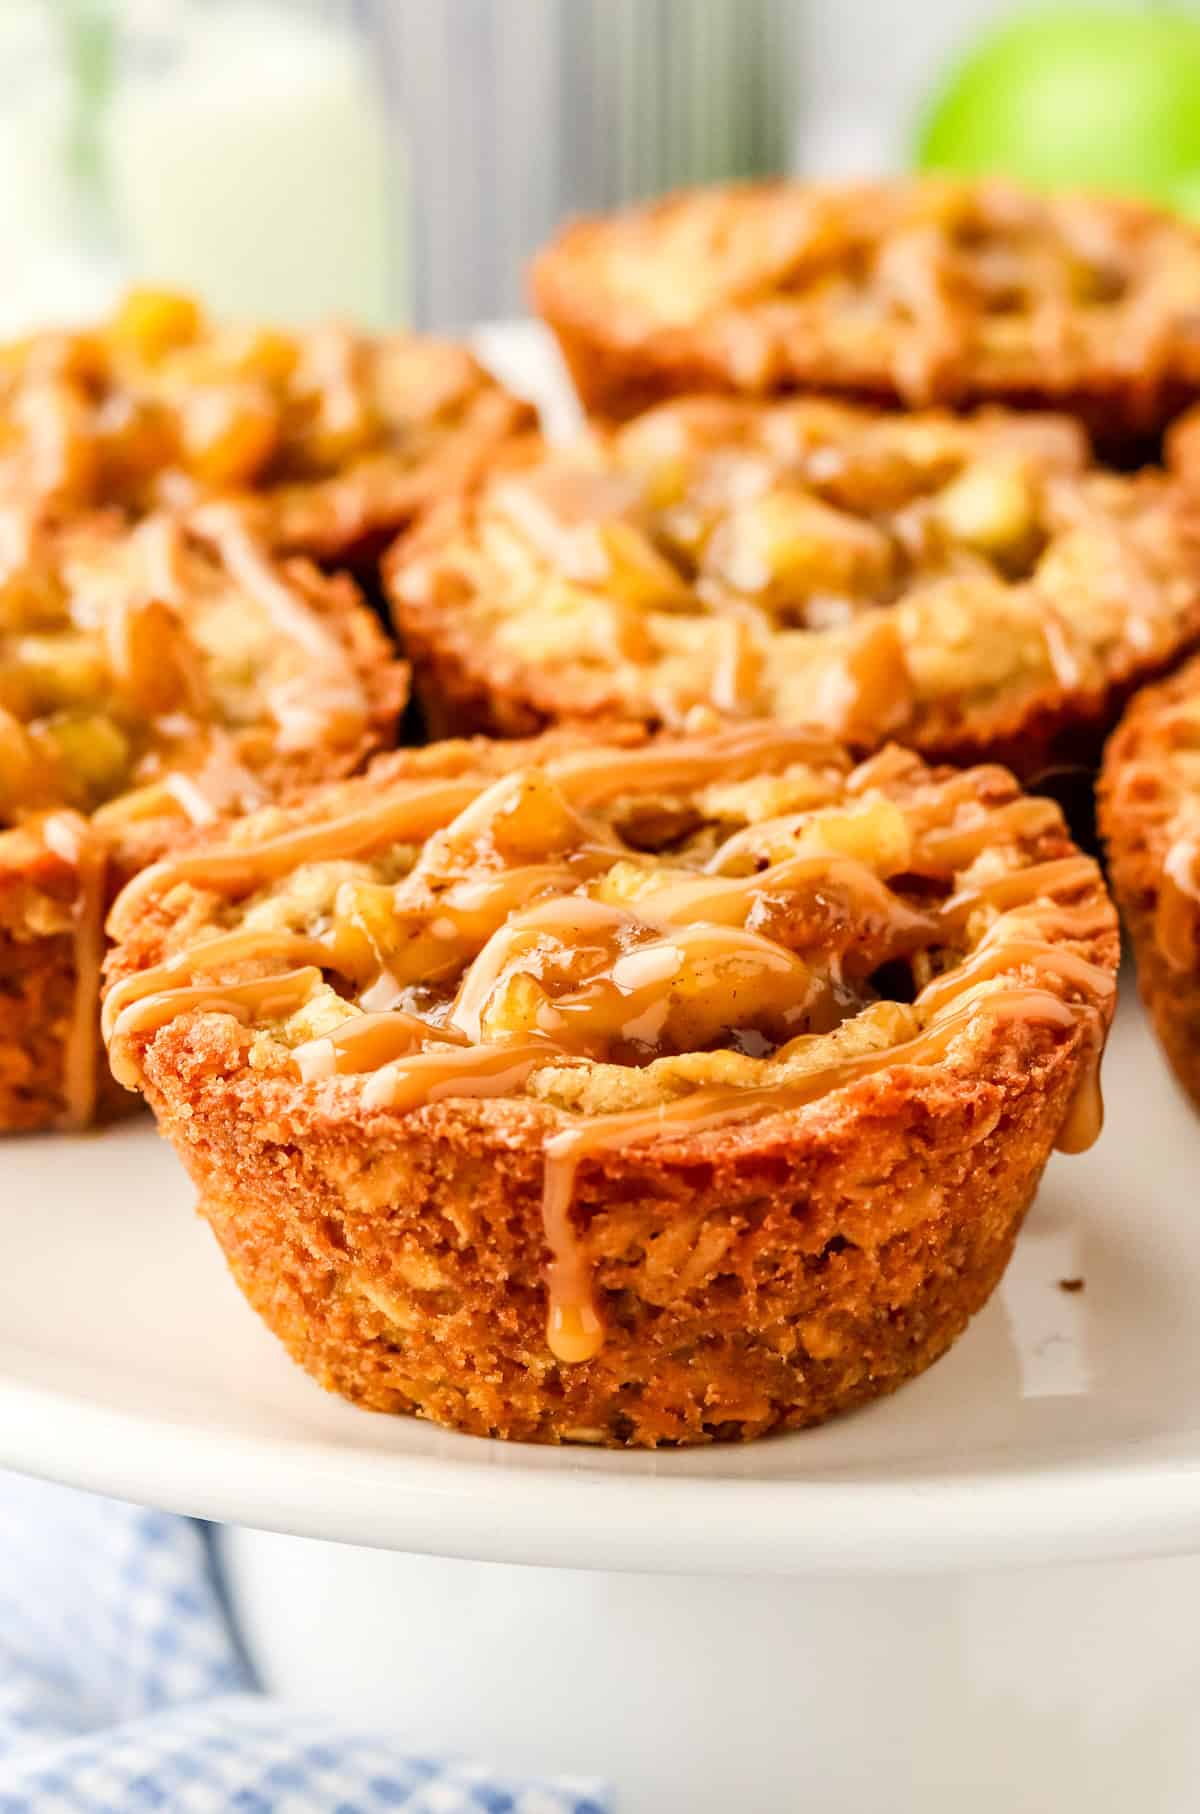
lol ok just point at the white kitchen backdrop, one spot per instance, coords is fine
(864, 67)
(399, 159)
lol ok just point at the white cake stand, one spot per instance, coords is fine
(812, 1620)
(847, 1620)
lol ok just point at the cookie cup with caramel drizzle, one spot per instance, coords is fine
(150, 681)
(332, 440)
(641, 1092)
(974, 588)
(1149, 801)
(919, 291)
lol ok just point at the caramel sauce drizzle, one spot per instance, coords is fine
(74, 840)
(425, 1077)
(329, 699)
(587, 779)
(262, 997)
(127, 996)
(366, 1043)
(741, 659)
(239, 869)
(720, 899)
(1065, 662)
(158, 669)
(1018, 886)
(869, 690)
(576, 1329)
(610, 967)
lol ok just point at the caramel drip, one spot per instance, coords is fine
(424, 807)
(71, 837)
(575, 1329)
(437, 937)
(478, 906)
(366, 1043)
(951, 848)
(1177, 914)
(729, 899)
(563, 917)
(704, 943)
(997, 956)
(938, 848)
(262, 998)
(732, 973)
(1083, 1122)
(306, 711)
(245, 946)
(494, 1070)
(1019, 886)
(593, 778)
(240, 869)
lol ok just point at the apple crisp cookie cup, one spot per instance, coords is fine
(920, 291)
(975, 588)
(152, 680)
(643, 1092)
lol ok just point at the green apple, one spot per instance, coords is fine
(1185, 194)
(1076, 96)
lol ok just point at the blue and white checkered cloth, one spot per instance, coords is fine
(123, 1690)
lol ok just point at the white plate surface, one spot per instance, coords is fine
(1063, 1424)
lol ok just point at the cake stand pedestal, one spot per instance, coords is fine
(1064, 1689)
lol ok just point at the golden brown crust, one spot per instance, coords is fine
(91, 581)
(1149, 799)
(923, 291)
(755, 1273)
(972, 587)
(333, 439)
(763, 1283)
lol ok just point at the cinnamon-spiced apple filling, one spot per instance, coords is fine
(961, 584)
(639, 941)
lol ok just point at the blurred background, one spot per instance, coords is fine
(399, 159)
